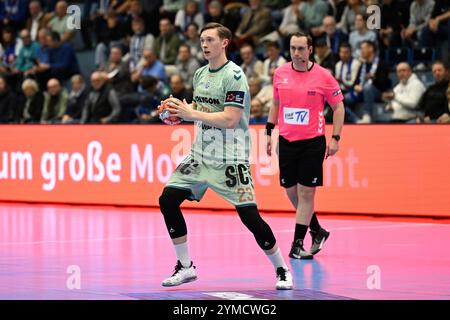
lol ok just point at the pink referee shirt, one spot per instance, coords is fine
(301, 97)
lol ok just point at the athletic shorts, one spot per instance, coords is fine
(301, 161)
(232, 181)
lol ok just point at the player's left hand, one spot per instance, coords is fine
(332, 148)
(181, 108)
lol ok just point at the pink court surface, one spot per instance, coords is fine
(124, 253)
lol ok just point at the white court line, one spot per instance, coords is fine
(393, 226)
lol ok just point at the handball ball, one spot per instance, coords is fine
(167, 117)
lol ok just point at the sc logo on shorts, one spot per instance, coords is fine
(242, 174)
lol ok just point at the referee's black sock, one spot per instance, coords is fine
(300, 232)
(314, 224)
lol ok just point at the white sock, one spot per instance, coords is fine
(183, 254)
(277, 260)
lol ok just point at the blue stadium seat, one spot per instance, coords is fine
(394, 56)
(423, 55)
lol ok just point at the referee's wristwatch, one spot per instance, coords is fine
(336, 137)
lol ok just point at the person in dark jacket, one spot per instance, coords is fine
(434, 102)
(77, 99)
(102, 104)
(7, 102)
(33, 104)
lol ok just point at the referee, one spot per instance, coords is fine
(300, 89)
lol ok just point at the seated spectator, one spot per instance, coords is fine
(38, 19)
(438, 26)
(189, 14)
(28, 55)
(333, 36)
(33, 104)
(255, 24)
(55, 102)
(109, 34)
(9, 50)
(7, 102)
(289, 24)
(273, 61)
(13, 13)
(118, 72)
(186, 65)
(360, 34)
(139, 42)
(261, 93)
(77, 99)
(215, 13)
(58, 23)
(353, 7)
(135, 10)
(403, 100)
(150, 66)
(170, 8)
(257, 115)
(147, 111)
(193, 41)
(336, 8)
(434, 102)
(346, 69)
(166, 45)
(419, 15)
(323, 55)
(102, 105)
(252, 66)
(312, 14)
(394, 16)
(371, 81)
(178, 88)
(62, 61)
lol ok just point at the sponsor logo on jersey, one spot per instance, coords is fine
(207, 100)
(235, 96)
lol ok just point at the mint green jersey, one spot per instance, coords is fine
(213, 91)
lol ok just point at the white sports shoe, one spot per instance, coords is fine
(366, 118)
(284, 279)
(181, 275)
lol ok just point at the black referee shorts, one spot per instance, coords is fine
(301, 161)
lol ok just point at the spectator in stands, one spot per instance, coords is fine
(333, 36)
(59, 23)
(434, 102)
(178, 88)
(255, 24)
(186, 65)
(28, 55)
(166, 45)
(336, 8)
(7, 102)
(257, 115)
(215, 13)
(13, 13)
(274, 60)
(312, 14)
(33, 104)
(419, 15)
(139, 42)
(76, 100)
(323, 55)
(102, 105)
(371, 81)
(10, 47)
(403, 100)
(55, 102)
(147, 111)
(193, 41)
(353, 7)
(251, 65)
(151, 66)
(289, 24)
(170, 8)
(255, 86)
(62, 61)
(360, 34)
(117, 71)
(438, 27)
(189, 14)
(136, 9)
(394, 17)
(38, 19)
(109, 34)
